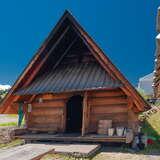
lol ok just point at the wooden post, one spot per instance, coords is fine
(132, 118)
(85, 110)
(27, 114)
(64, 117)
(129, 105)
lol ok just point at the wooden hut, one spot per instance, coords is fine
(69, 86)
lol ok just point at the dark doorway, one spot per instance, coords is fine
(74, 114)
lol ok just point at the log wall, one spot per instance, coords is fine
(108, 105)
(50, 114)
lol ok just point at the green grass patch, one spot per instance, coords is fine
(62, 157)
(8, 124)
(151, 125)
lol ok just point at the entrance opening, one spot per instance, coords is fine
(74, 114)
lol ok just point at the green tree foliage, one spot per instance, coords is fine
(2, 94)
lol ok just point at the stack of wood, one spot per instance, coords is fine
(103, 126)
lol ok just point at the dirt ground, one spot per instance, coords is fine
(107, 153)
(112, 154)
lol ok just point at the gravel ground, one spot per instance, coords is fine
(125, 156)
(108, 153)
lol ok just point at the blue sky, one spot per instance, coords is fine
(124, 29)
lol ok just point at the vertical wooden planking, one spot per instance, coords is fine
(132, 117)
(84, 119)
(64, 117)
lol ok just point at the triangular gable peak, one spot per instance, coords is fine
(67, 36)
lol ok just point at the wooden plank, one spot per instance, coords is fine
(43, 129)
(85, 109)
(31, 99)
(35, 71)
(65, 52)
(109, 116)
(109, 109)
(64, 118)
(53, 96)
(105, 101)
(26, 152)
(47, 119)
(43, 125)
(47, 111)
(58, 103)
(109, 93)
(72, 138)
(139, 105)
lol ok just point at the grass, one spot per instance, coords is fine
(151, 126)
(12, 124)
(63, 157)
(8, 124)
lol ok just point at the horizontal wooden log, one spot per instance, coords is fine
(19, 131)
(110, 93)
(106, 101)
(109, 116)
(87, 138)
(49, 104)
(44, 125)
(46, 119)
(52, 96)
(47, 111)
(42, 129)
(109, 109)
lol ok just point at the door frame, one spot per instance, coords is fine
(85, 112)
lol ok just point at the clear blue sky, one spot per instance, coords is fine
(124, 29)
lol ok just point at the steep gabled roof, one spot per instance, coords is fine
(43, 53)
(69, 78)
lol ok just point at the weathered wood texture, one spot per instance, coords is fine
(110, 105)
(73, 138)
(50, 113)
(26, 152)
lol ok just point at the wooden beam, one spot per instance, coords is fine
(105, 62)
(130, 102)
(66, 51)
(35, 71)
(64, 118)
(85, 110)
(16, 98)
(95, 55)
(138, 105)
